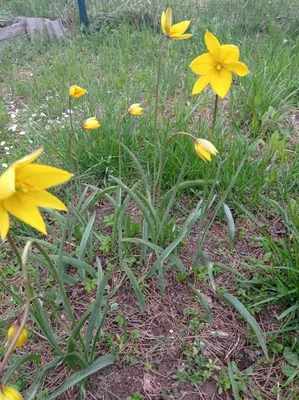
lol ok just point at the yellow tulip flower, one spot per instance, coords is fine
(135, 109)
(176, 31)
(216, 66)
(21, 339)
(22, 191)
(76, 91)
(91, 123)
(9, 393)
(204, 149)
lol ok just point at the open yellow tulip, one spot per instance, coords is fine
(76, 91)
(22, 191)
(176, 31)
(9, 393)
(216, 66)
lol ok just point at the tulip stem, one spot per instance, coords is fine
(23, 262)
(214, 118)
(118, 194)
(157, 137)
(14, 248)
(119, 146)
(73, 131)
(163, 160)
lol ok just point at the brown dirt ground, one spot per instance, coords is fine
(164, 330)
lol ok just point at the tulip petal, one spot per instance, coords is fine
(221, 81)
(208, 146)
(10, 393)
(182, 37)
(28, 159)
(229, 53)
(168, 21)
(26, 212)
(238, 68)
(7, 183)
(201, 152)
(42, 199)
(41, 177)
(203, 64)
(163, 22)
(200, 84)
(212, 44)
(4, 222)
(179, 29)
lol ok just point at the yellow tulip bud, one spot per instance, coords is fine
(204, 149)
(76, 91)
(9, 393)
(21, 339)
(135, 110)
(91, 123)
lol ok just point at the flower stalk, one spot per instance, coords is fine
(157, 136)
(28, 291)
(212, 132)
(71, 140)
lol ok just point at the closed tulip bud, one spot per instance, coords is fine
(204, 149)
(91, 123)
(76, 91)
(21, 339)
(135, 110)
(9, 393)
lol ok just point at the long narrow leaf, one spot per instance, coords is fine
(230, 223)
(233, 381)
(69, 260)
(182, 186)
(185, 230)
(176, 260)
(203, 302)
(135, 285)
(17, 363)
(41, 376)
(172, 198)
(86, 235)
(229, 298)
(145, 211)
(141, 171)
(100, 363)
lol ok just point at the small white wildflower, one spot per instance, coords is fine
(43, 115)
(6, 148)
(4, 165)
(33, 115)
(13, 128)
(2, 143)
(7, 152)
(13, 116)
(22, 133)
(30, 141)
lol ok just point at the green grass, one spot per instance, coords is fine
(117, 64)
